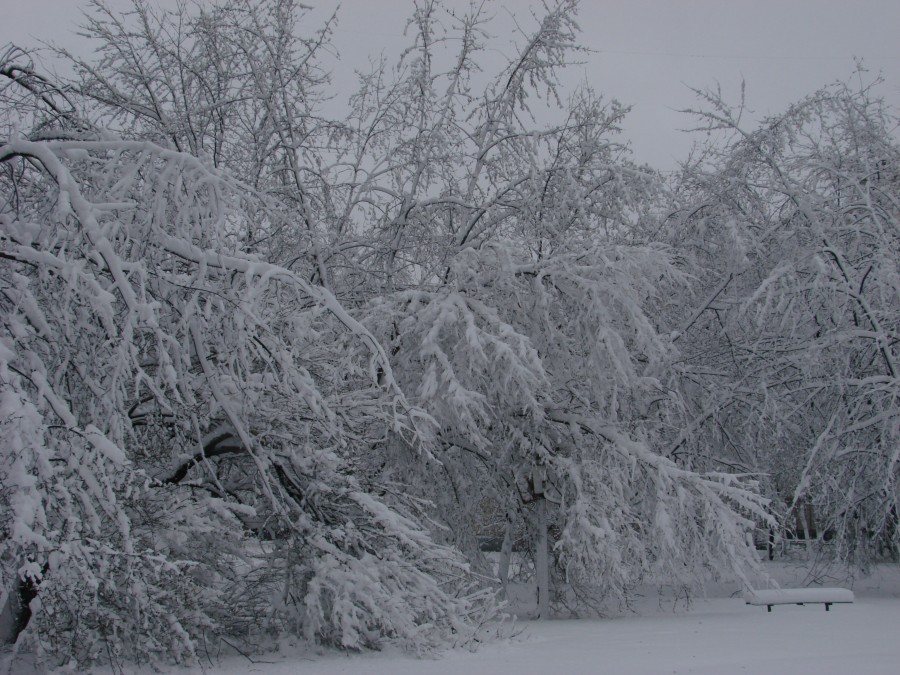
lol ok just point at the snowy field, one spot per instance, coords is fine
(716, 635)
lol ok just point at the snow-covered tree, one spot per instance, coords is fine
(265, 372)
(794, 231)
(171, 398)
(513, 294)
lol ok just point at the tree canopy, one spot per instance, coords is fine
(267, 372)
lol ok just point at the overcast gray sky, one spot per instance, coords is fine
(646, 51)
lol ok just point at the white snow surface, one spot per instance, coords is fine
(715, 635)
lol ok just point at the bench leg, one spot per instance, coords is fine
(770, 607)
(827, 606)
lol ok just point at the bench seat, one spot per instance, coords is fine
(799, 596)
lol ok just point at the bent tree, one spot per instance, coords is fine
(169, 399)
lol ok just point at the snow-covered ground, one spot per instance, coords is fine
(716, 635)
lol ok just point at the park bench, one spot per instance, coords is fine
(799, 596)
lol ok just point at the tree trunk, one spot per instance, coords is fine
(16, 611)
(806, 517)
(506, 555)
(542, 561)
